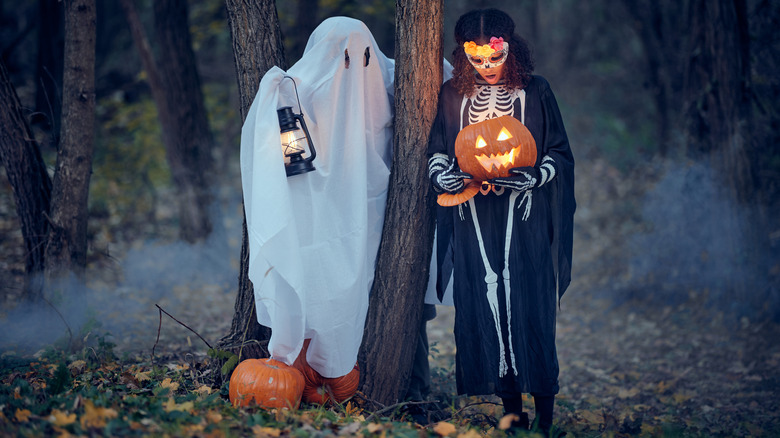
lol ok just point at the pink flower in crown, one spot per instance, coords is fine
(497, 43)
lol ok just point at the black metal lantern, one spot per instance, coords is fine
(295, 142)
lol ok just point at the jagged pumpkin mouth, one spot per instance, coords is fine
(498, 161)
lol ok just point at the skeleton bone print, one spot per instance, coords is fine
(489, 103)
(498, 241)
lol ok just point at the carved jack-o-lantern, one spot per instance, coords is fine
(487, 150)
(490, 148)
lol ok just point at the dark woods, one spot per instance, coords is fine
(140, 104)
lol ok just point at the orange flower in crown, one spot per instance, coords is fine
(470, 47)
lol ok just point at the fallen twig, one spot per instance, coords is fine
(70, 333)
(159, 326)
(185, 326)
(394, 407)
(486, 402)
(246, 329)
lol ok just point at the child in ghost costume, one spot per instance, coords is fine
(313, 237)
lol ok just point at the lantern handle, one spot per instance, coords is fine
(312, 151)
(295, 86)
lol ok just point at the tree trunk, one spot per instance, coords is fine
(257, 46)
(49, 66)
(175, 86)
(719, 120)
(395, 308)
(305, 23)
(30, 182)
(186, 129)
(661, 31)
(66, 249)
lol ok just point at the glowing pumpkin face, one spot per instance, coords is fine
(488, 149)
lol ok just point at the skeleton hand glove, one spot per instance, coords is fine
(444, 176)
(526, 178)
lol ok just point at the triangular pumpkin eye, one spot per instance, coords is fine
(480, 143)
(504, 135)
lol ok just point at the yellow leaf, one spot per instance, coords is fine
(96, 416)
(213, 417)
(506, 421)
(62, 433)
(664, 386)
(167, 383)
(648, 429)
(261, 431)
(109, 366)
(203, 390)
(171, 405)
(471, 433)
(77, 367)
(592, 417)
(142, 375)
(351, 409)
(444, 428)
(194, 430)
(627, 393)
(373, 427)
(681, 397)
(22, 415)
(177, 367)
(60, 418)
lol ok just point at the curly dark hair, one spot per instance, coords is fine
(481, 24)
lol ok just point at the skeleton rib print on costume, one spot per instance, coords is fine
(490, 102)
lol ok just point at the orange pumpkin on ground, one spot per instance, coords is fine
(267, 382)
(320, 390)
(487, 150)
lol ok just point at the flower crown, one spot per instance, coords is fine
(471, 48)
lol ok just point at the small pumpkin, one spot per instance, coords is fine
(488, 149)
(320, 390)
(343, 388)
(267, 382)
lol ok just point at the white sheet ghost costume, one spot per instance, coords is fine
(313, 237)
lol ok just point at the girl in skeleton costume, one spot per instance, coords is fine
(511, 244)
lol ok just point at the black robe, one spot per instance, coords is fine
(539, 257)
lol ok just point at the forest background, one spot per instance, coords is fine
(662, 229)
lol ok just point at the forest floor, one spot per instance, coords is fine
(629, 367)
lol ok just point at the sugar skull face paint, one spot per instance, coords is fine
(489, 55)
